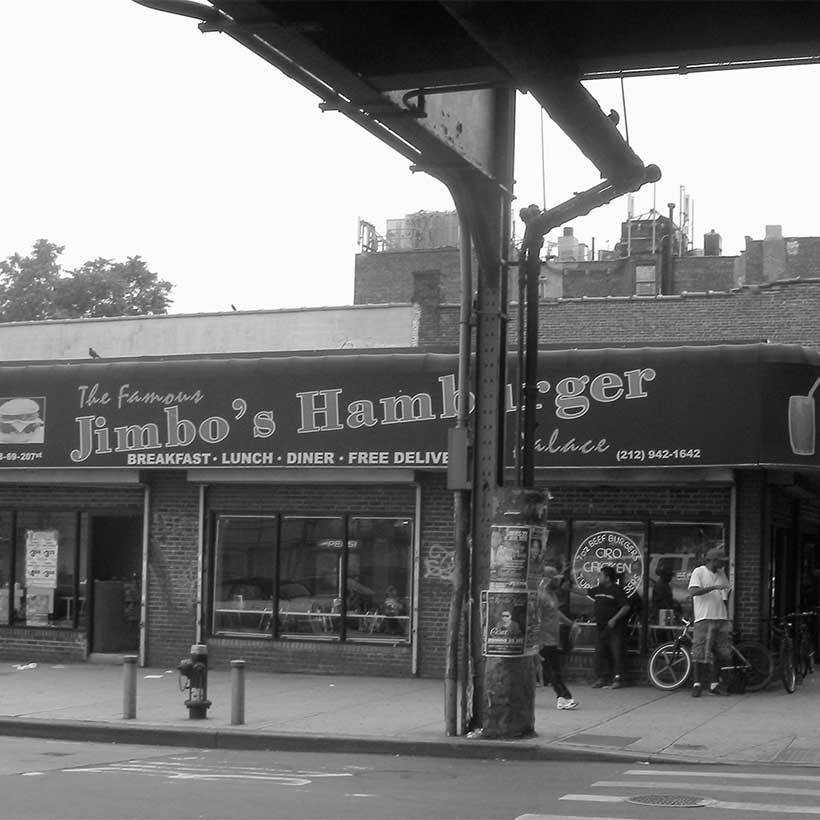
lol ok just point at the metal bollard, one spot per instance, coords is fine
(129, 686)
(237, 692)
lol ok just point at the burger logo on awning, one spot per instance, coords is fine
(20, 421)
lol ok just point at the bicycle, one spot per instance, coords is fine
(795, 651)
(670, 664)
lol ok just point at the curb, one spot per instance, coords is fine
(238, 739)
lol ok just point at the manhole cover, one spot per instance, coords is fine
(682, 801)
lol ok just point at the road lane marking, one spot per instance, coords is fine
(709, 787)
(176, 769)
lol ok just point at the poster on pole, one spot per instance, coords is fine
(505, 617)
(516, 555)
(509, 556)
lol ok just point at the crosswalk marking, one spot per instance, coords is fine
(713, 804)
(710, 787)
(574, 817)
(707, 786)
(812, 778)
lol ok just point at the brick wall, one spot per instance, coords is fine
(750, 535)
(49, 643)
(701, 273)
(387, 277)
(781, 258)
(617, 277)
(172, 568)
(634, 502)
(783, 312)
(802, 256)
(436, 568)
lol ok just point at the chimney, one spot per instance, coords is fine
(774, 254)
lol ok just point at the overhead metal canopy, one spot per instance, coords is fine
(416, 74)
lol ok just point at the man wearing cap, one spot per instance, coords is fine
(710, 589)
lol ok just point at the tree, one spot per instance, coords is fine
(35, 287)
(27, 283)
(107, 288)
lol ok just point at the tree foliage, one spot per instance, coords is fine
(36, 287)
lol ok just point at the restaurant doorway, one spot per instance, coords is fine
(783, 572)
(116, 549)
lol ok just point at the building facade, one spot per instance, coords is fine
(292, 507)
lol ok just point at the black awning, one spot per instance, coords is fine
(720, 405)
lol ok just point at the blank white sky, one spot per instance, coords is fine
(127, 131)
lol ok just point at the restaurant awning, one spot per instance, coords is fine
(695, 406)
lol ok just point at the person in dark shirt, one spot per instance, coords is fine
(662, 595)
(611, 610)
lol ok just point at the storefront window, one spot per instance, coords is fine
(677, 548)
(310, 573)
(378, 579)
(620, 544)
(333, 578)
(45, 575)
(243, 574)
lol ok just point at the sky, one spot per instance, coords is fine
(129, 132)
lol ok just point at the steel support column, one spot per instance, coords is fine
(485, 205)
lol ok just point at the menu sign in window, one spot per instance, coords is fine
(41, 558)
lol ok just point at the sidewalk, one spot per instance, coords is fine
(406, 716)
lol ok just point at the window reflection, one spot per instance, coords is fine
(677, 548)
(379, 560)
(310, 572)
(243, 574)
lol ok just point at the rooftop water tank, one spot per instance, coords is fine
(712, 244)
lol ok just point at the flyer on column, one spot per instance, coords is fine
(506, 619)
(515, 553)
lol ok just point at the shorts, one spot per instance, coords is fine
(710, 641)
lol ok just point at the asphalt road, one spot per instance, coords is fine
(54, 779)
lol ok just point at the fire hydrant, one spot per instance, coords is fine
(193, 676)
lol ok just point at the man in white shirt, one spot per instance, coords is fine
(709, 588)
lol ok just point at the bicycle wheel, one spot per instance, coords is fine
(760, 668)
(787, 671)
(669, 666)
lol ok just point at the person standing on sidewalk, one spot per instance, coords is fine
(551, 618)
(611, 610)
(709, 588)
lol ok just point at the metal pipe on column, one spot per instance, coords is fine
(146, 540)
(530, 260)
(454, 673)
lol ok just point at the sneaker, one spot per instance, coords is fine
(717, 689)
(600, 683)
(566, 703)
(697, 690)
(617, 683)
